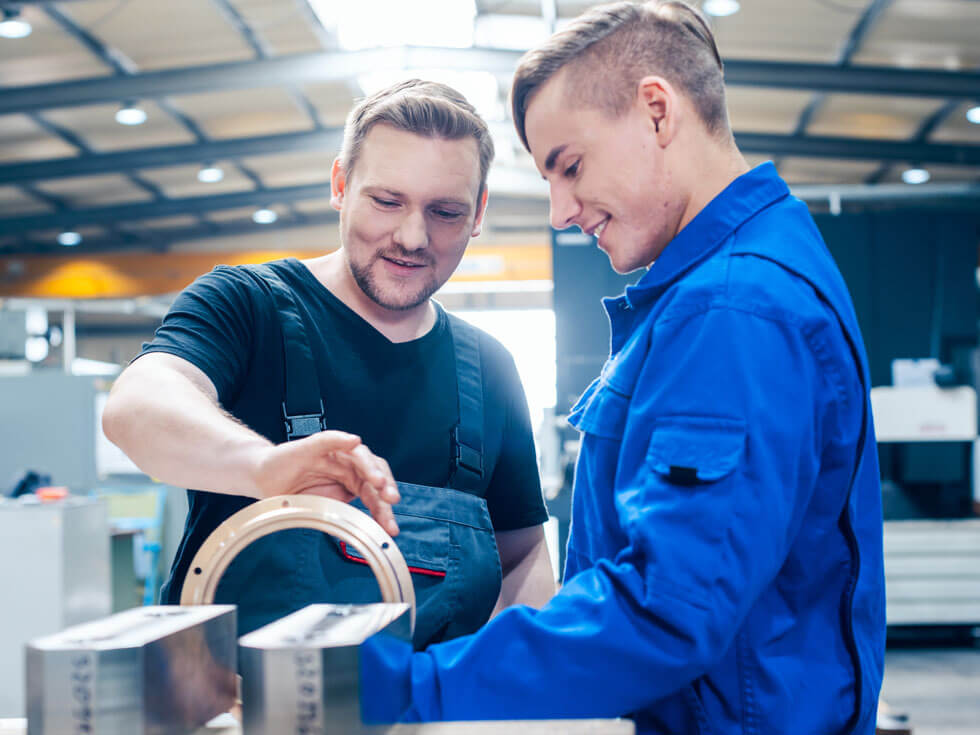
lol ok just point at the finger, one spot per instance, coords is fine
(367, 467)
(337, 440)
(391, 493)
(380, 509)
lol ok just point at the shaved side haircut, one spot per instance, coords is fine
(609, 49)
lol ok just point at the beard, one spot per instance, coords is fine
(397, 297)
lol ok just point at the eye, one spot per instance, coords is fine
(388, 203)
(573, 170)
(447, 214)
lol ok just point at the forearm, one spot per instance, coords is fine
(174, 431)
(528, 577)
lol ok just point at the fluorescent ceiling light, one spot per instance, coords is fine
(973, 115)
(519, 32)
(480, 88)
(721, 8)
(69, 239)
(264, 216)
(131, 115)
(12, 26)
(915, 176)
(447, 23)
(210, 175)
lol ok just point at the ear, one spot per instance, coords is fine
(481, 210)
(338, 185)
(658, 98)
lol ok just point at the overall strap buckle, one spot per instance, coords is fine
(303, 425)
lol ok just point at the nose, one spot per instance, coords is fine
(412, 233)
(565, 206)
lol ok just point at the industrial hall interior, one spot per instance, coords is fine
(489, 366)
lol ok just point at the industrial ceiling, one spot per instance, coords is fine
(244, 101)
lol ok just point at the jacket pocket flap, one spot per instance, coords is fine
(690, 449)
(601, 412)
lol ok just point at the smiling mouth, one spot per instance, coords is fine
(598, 229)
(403, 263)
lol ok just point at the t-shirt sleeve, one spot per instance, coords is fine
(514, 496)
(211, 325)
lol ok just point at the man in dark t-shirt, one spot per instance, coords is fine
(202, 406)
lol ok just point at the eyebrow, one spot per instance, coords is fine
(549, 162)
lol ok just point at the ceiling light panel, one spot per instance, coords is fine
(181, 181)
(294, 169)
(778, 30)
(163, 35)
(14, 202)
(333, 100)
(283, 26)
(96, 191)
(97, 126)
(519, 32)
(245, 112)
(872, 116)
(445, 23)
(800, 170)
(24, 140)
(47, 55)
(935, 34)
(760, 110)
(957, 128)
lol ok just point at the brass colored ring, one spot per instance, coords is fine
(282, 512)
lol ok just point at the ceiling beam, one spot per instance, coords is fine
(299, 69)
(162, 239)
(516, 199)
(859, 149)
(329, 141)
(167, 208)
(871, 15)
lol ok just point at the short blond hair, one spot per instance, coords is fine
(610, 48)
(429, 109)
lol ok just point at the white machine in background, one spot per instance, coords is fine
(54, 573)
(932, 565)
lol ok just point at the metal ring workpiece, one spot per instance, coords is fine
(282, 512)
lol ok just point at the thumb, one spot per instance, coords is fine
(336, 440)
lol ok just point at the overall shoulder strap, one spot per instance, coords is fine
(468, 467)
(302, 407)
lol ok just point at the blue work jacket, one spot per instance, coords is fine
(724, 568)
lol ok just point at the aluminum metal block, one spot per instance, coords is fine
(300, 673)
(161, 670)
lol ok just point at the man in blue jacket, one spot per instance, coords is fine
(724, 564)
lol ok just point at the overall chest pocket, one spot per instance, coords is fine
(449, 546)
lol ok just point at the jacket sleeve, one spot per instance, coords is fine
(720, 451)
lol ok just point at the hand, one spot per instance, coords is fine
(333, 464)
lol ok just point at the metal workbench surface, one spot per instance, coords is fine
(511, 727)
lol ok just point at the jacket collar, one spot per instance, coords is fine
(741, 200)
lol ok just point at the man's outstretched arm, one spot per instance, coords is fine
(164, 413)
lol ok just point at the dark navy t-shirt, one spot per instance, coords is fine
(400, 398)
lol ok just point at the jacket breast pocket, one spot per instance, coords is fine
(689, 450)
(601, 411)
